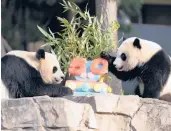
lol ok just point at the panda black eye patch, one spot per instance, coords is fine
(123, 56)
(55, 69)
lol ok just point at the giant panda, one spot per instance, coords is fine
(28, 74)
(146, 61)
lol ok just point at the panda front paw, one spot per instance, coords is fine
(66, 91)
(105, 56)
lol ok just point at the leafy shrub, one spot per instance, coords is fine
(83, 36)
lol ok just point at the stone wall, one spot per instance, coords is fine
(99, 113)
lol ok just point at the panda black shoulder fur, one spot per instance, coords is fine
(28, 74)
(146, 61)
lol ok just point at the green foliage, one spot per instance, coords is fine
(83, 36)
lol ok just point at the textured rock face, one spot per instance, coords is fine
(97, 113)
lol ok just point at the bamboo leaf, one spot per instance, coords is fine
(44, 32)
(51, 33)
(53, 52)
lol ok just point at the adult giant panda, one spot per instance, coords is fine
(146, 61)
(28, 74)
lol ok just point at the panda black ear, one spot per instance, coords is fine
(40, 54)
(136, 43)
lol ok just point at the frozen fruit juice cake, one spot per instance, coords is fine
(89, 76)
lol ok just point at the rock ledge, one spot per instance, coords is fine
(95, 113)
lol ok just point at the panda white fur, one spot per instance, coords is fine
(28, 74)
(146, 61)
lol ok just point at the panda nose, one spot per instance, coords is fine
(114, 65)
(56, 79)
(62, 77)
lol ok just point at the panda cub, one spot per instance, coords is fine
(145, 61)
(28, 74)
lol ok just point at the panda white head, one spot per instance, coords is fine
(49, 67)
(134, 52)
(45, 63)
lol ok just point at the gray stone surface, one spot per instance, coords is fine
(94, 113)
(52, 113)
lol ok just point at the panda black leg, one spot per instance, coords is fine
(152, 89)
(137, 91)
(151, 92)
(14, 89)
(54, 91)
(64, 91)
